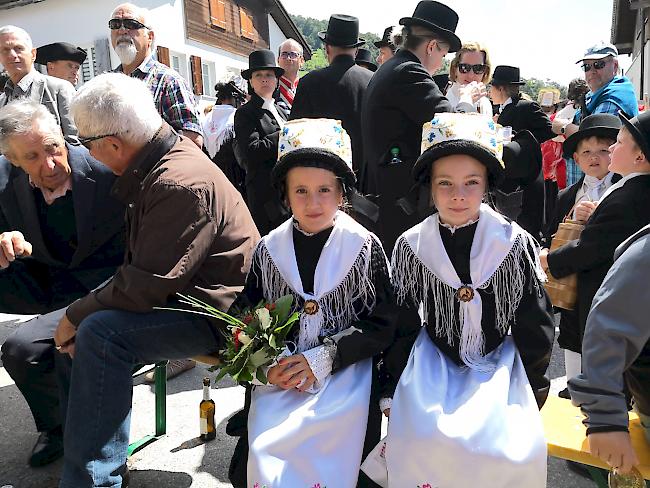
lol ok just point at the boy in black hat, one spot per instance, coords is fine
(62, 60)
(622, 210)
(589, 147)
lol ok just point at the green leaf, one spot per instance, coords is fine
(282, 331)
(282, 308)
(272, 342)
(259, 358)
(261, 377)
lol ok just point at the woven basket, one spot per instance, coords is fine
(563, 292)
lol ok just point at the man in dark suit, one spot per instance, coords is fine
(336, 92)
(61, 235)
(400, 98)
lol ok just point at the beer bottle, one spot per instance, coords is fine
(206, 408)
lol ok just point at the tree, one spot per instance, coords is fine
(318, 60)
(533, 85)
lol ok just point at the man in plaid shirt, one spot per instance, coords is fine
(133, 39)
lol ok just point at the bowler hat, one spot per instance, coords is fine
(387, 39)
(436, 17)
(600, 125)
(506, 75)
(342, 31)
(60, 51)
(364, 58)
(261, 59)
(639, 127)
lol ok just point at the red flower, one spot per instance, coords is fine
(235, 334)
(248, 319)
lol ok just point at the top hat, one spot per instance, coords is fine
(456, 133)
(364, 58)
(599, 51)
(312, 142)
(261, 59)
(438, 18)
(387, 39)
(506, 75)
(639, 127)
(342, 31)
(60, 51)
(601, 125)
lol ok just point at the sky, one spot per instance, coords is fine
(544, 38)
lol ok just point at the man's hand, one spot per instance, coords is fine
(615, 448)
(543, 259)
(64, 336)
(292, 372)
(584, 210)
(13, 245)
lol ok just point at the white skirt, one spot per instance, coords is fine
(302, 439)
(454, 427)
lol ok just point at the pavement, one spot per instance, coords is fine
(179, 459)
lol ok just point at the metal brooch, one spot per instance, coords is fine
(465, 293)
(311, 307)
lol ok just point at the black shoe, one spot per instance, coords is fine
(564, 394)
(48, 448)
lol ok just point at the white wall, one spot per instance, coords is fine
(276, 36)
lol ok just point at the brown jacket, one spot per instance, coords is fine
(188, 231)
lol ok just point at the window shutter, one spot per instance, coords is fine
(246, 22)
(197, 75)
(218, 13)
(163, 55)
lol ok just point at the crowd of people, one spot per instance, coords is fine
(409, 215)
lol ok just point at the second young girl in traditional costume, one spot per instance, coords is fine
(463, 412)
(308, 426)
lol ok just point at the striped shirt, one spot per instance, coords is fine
(288, 90)
(173, 98)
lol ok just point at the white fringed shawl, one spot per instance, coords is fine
(343, 276)
(498, 256)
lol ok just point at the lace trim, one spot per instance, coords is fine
(454, 228)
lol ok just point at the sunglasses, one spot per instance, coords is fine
(85, 141)
(130, 24)
(600, 64)
(290, 55)
(476, 68)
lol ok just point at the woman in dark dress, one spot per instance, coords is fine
(257, 129)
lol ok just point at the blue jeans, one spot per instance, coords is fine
(108, 345)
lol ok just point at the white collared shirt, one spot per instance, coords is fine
(505, 104)
(619, 184)
(269, 104)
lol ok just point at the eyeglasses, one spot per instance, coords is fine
(85, 141)
(476, 68)
(600, 64)
(130, 24)
(290, 55)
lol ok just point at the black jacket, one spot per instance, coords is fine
(335, 92)
(617, 217)
(99, 220)
(401, 97)
(524, 114)
(256, 135)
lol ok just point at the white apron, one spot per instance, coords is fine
(299, 439)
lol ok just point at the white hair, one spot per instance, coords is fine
(18, 32)
(141, 13)
(113, 103)
(18, 118)
(293, 42)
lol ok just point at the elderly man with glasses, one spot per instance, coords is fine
(133, 39)
(61, 235)
(291, 60)
(608, 93)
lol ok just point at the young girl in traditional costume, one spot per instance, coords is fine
(307, 427)
(463, 412)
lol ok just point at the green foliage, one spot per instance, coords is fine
(318, 60)
(534, 85)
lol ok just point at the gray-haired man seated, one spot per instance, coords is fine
(188, 231)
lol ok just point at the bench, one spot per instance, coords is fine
(566, 438)
(160, 395)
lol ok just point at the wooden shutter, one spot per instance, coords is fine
(218, 13)
(246, 22)
(163, 55)
(197, 75)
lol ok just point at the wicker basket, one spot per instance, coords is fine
(563, 292)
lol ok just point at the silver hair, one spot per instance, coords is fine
(292, 40)
(113, 103)
(139, 12)
(18, 118)
(18, 32)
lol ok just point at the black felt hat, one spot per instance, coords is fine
(261, 59)
(438, 18)
(60, 51)
(600, 125)
(506, 75)
(342, 31)
(364, 58)
(386, 40)
(639, 127)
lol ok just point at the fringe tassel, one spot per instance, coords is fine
(336, 309)
(226, 135)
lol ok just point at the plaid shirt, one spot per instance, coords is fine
(173, 98)
(573, 171)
